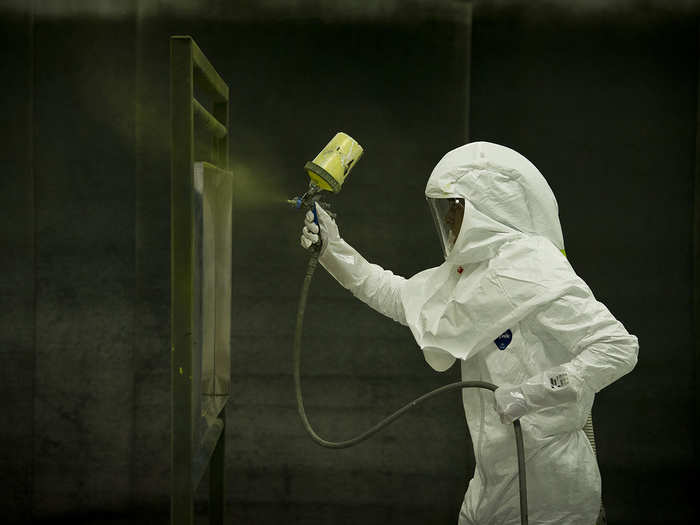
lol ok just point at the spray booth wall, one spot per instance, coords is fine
(606, 110)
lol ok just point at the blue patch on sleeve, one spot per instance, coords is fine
(503, 340)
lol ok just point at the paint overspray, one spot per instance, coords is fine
(257, 185)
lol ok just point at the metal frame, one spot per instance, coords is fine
(195, 442)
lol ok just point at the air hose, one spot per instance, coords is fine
(313, 262)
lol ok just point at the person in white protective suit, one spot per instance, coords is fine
(508, 305)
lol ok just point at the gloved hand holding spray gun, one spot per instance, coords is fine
(315, 229)
(327, 172)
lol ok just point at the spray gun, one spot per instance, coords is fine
(327, 172)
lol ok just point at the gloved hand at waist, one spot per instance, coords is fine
(310, 231)
(510, 403)
(556, 386)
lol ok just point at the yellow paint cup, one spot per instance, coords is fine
(330, 167)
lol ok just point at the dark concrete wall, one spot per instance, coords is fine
(84, 177)
(17, 282)
(606, 109)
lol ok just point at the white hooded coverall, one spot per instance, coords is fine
(508, 305)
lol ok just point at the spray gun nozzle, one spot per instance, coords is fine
(307, 199)
(296, 202)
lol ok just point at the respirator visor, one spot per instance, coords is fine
(447, 214)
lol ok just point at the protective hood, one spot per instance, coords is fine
(506, 260)
(505, 197)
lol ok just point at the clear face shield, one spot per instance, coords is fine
(447, 214)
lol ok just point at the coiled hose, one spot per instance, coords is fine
(313, 262)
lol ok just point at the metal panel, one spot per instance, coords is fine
(213, 200)
(221, 194)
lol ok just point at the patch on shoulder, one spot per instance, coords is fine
(503, 340)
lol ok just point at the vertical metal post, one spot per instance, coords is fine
(181, 226)
(218, 463)
(216, 477)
